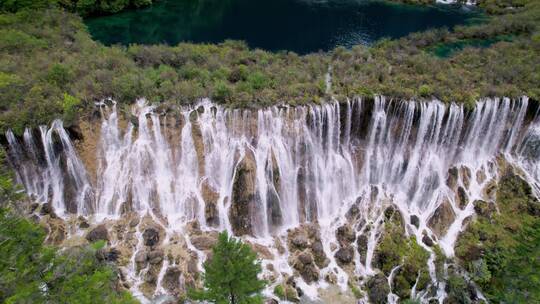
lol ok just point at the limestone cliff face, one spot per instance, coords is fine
(244, 196)
(87, 145)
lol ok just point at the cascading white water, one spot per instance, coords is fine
(312, 164)
(46, 168)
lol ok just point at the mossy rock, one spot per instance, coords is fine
(395, 249)
(378, 289)
(286, 293)
(500, 249)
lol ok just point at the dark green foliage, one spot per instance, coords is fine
(33, 273)
(9, 192)
(58, 75)
(231, 274)
(456, 287)
(501, 250)
(17, 5)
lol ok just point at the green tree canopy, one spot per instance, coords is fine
(231, 275)
(31, 272)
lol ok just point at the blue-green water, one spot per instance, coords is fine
(302, 26)
(445, 50)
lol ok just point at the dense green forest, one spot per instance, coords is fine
(33, 272)
(51, 67)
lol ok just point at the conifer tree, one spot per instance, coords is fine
(231, 274)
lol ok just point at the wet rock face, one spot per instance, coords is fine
(210, 197)
(362, 245)
(345, 235)
(151, 236)
(108, 254)
(83, 223)
(275, 216)
(171, 280)
(427, 240)
(441, 219)
(141, 256)
(307, 206)
(56, 230)
(205, 241)
(155, 256)
(47, 209)
(462, 198)
(199, 145)
(307, 237)
(345, 255)
(378, 289)
(415, 221)
(452, 179)
(244, 196)
(98, 233)
(262, 251)
(300, 241)
(87, 144)
(305, 265)
(274, 210)
(483, 208)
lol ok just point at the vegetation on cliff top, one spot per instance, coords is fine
(50, 67)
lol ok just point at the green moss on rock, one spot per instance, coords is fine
(500, 250)
(286, 293)
(395, 249)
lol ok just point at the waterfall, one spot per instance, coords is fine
(296, 164)
(51, 170)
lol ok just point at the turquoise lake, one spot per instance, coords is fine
(302, 26)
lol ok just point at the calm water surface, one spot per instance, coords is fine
(301, 26)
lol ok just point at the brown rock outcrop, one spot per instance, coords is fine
(304, 264)
(98, 233)
(442, 218)
(244, 196)
(210, 197)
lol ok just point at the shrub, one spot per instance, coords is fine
(222, 92)
(425, 90)
(258, 80)
(59, 75)
(70, 106)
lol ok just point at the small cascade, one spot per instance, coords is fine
(50, 170)
(264, 174)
